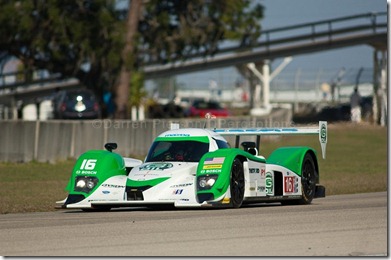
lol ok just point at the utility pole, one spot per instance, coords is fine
(383, 90)
(380, 88)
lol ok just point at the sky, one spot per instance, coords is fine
(281, 13)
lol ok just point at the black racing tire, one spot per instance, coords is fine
(237, 183)
(308, 179)
(308, 182)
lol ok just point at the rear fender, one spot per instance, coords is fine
(292, 158)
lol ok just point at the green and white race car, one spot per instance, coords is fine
(198, 168)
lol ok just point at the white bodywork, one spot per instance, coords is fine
(179, 187)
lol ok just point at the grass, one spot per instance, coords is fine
(356, 157)
(356, 162)
(29, 187)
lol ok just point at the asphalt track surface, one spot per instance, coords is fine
(345, 225)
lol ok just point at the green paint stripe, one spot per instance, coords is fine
(202, 139)
(154, 182)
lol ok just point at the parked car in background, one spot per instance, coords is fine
(76, 104)
(199, 108)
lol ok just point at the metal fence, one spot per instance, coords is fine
(55, 140)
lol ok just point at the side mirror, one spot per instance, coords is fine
(111, 146)
(250, 147)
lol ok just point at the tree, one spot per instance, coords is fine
(90, 39)
(175, 29)
(75, 38)
(171, 30)
(128, 57)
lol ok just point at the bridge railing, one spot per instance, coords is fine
(329, 29)
(326, 29)
(25, 78)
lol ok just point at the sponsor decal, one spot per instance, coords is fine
(145, 174)
(181, 185)
(252, 188)
(155, 167)
(261, 188)
(105, 191)
(263, 173)
(265, 130)
(113, 186)
(176, 135)
(323, 137)
(212, 166)
(269, 183)
(85, 172)
(226, 200)
(253, 170)
(213, 163)
(215, 160)
(211, 171)
(87, 167)
(88, 164)
(290, 184)
(323, 133)
(177, 192)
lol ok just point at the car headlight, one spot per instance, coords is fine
(206, 182)
(81, 184)
(90, 184)
(85, 183)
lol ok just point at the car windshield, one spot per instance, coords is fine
(79, 96)
(206, 105)
(182, 151)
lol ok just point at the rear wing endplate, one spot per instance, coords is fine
(321, 131)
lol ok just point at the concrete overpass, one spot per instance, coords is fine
(368, 28)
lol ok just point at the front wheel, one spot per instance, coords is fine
(237, 183)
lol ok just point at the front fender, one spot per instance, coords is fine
(95, 167)
(292, 157)
(218, 164)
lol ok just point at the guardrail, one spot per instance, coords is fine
(54, 140)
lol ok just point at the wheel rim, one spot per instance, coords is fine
(308, 179)
(237, 184)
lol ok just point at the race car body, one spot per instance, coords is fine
(198, 168)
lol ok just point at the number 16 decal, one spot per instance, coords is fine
(289, 184)
(88, 164)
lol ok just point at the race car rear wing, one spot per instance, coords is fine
(321, 131)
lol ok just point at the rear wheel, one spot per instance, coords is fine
(237, 183)
(308, 182)
(308, 179)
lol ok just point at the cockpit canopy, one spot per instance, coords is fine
(177, 150)
(184, 145)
